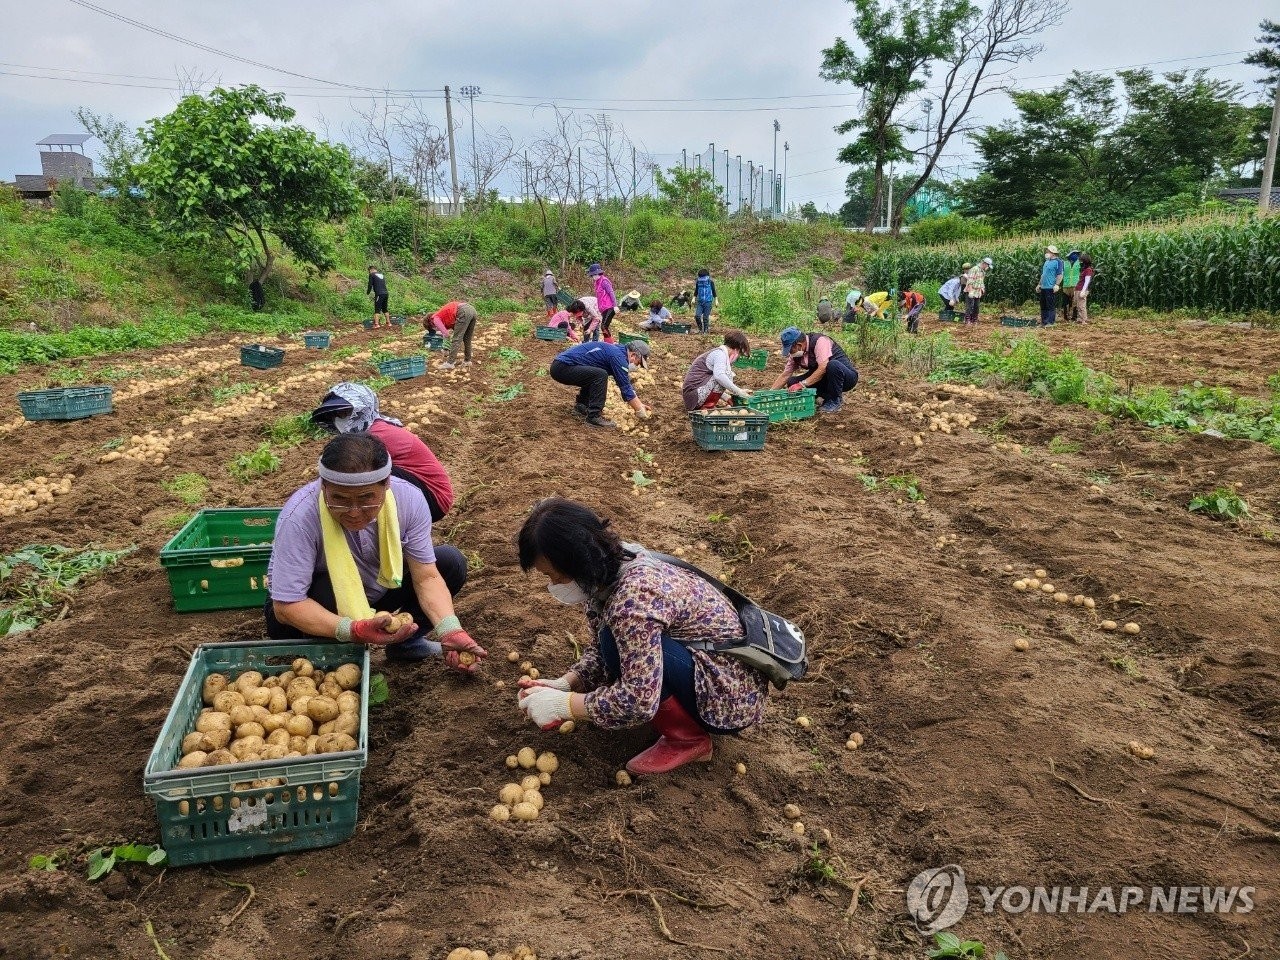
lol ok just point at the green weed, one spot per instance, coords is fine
(38, 581)
(103, 860)
(190, 488)
(1221, 504)
(521, 328)
(507, 394)
(261, 461)
(50, 862)
(294, 430)
(1063, 445)
(176, 521)
(230, 391)
(950, 946)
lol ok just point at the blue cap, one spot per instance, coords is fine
(790, 336)
(594, 269)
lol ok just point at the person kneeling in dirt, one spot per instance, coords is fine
(353, 408)
(588, 366)
(657, 316)
(356, 541)
(566, 321)
(643, 614)
(815, 360)
(711, 375)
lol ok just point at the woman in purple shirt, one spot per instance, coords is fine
(643, 614)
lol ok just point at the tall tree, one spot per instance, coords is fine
(900, 39)
(691, 193)
(1268, 56)
(230, 168)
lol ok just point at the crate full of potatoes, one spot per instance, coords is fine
(262, 750)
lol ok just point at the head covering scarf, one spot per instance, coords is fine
(364, 408)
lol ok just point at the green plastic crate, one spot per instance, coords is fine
(676, 327)
(260, 357)
(625, 338)
(397, 321)
(209, 814)
(1017, 322)
(403, 368)
(757, 360)
(738, 430)
(947, 315)
(785, 405)
(550, 333)
(316, 341)
(433, 341)
(368, 324)
(201, 559)
(64, 403)
(564, 297)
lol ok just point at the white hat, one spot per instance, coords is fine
(1051, 249)
(988, 262)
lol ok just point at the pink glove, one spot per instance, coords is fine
(796, 387)
(373, 631)
(457, 642)
(546, 707)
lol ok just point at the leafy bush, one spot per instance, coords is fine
(1221, 504)
(949, 228)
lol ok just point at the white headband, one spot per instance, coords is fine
(354, 479)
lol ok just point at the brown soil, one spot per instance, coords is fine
(912, 645)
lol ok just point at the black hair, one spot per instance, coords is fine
(655, 306)
(738, 341)
(1085, 261)
(372, 267)
(355, 453)
(577, 306)
(704, 272)
(575, 540)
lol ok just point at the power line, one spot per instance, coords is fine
(173, 89)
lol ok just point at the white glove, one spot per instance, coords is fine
(545, 706)
(527, 683)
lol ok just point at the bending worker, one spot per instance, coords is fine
(355, 546)
(643, 615)
(353, 408)
(588, 366)
(711, 375)
(815, 360)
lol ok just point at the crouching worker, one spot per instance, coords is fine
(911, 306)
(356, 541)
(643, 614)
(815, 360)
(588, 366)
(711, 375)
(564, 320)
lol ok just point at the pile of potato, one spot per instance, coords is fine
(419, 414)
(523, 800)
(138, 388)
(8, 426)
(967, 391)
(466, 953)
(27, 495)
(298, 713)
(1037, 584)
(151, 447)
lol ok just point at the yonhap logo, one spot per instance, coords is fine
(938, 898)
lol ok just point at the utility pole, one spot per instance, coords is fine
(786, 148)
(739, 207)
(684, 159)
(453, 154)
(773, 199)
(751, 190)
(471, 92)
(634, 183)
(726, 180)
(888, 209)
(1269, 167)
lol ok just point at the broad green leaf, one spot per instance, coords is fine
(99, 864)
(379, 692)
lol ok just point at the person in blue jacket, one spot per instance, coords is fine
(705, 292)
(1050, 284)
(588, 366)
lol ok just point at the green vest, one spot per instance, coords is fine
(1070, 273)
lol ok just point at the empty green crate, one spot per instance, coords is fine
(397, 321)
(1017, 322)
(676, 327)
(263, 358)
(564, 298)
(550, 333)
(784, 405)
(368, 324)
(208, 814)
(403, 368)
(316, 341)
(218, 561)
(433, 341)
(626, 338)
(756, 360)
(64, 403)
(737, 430)
(947, 315)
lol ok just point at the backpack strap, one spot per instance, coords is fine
(738, 600)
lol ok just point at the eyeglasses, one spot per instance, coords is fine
(373, 502)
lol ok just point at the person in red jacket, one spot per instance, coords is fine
(353, 408)
(912, 305)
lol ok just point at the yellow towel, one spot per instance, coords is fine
(348, 588)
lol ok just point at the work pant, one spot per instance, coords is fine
(677, 673)
(449, 561)
(1081, 302)
(606, 322)
(1069, 304)
(1048, 306)
(913, 319)
(971, 307)
(702, 315)
(592, 384)
(464, 329)
(552, 302)
(838, 378)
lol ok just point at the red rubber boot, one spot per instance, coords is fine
(682, 740)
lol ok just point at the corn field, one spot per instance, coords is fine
(1216, 266)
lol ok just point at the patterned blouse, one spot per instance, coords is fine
(650, 599)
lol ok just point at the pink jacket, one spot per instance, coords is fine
(604, 293)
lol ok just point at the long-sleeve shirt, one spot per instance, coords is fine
(975, 282)
(1051, 273)
(549, 286)
(950, 291)
(709, 373)
(409, 453)
(446, 315)
(604, 293)
(611, 357)
(649, 599)
(1086, 277)
(377, 285)
(563, 320)
(654, 321)
(852, 298)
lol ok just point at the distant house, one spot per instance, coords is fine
(1251, 194)
(62, 160)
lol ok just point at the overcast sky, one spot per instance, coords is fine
(619, 57)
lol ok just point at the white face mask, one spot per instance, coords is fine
(569, 593)
(341, 424)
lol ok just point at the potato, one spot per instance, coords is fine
(1048, 588)
(348, 702)
(622, 778)
(311, 743)
(213, 685)
(249, 680)
(322, 709)
(224, 701)
(297, 744)
(1089, 603)
(459, 953)
(534, 797)
(279, 702)
(278, 738)
(1021, 643)
(1141, 750)
(566, 727)
(479, 955)
(1042, 574)
(330, 689)
(1061, 597)
(326, 727)
(527, 757)
(1108, 624)
(275, 721)
(1131, 628)
(246, 746)
(347, 676)
(220, 758)
(531, 782)
(855, 741)
(300, 725)
(274, 751)
(271, 683)
(500, 812)
(191, 742)
(335, 743)
(302, 667)
(791, 811)
(318, 677)
(258, 697)
(511, 794)
(524, 811)
(398, 621)
(302, 687)
(251, 729)
(544, 778)
(215, 740)
(196, 758)
(213, 721)
(348, 723)
(513, 656)
(1033, 583)
(803, 723)
(741, 768)
(299, 706)
(798, 828)
(241, 715)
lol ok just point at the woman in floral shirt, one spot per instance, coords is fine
(642, 613)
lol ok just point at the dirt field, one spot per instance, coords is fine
(1014, 765)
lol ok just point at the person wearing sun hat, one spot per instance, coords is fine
(975, 287)
(605, 298)
(588, 366)
(550, 292)
(1070, 280)
(1050, 284)
(353, 547)
(815, 360)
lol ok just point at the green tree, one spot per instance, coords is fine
(229, 169)
(900, 39)
(691, 193)
(1268, 56)
(860, 191)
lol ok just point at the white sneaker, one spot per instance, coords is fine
(446, 366)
